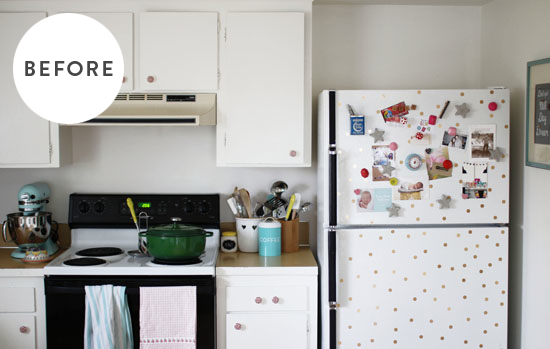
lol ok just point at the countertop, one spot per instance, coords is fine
(242, 263)
(14, 267)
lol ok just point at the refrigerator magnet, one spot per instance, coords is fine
(378, 135)
(462, 109)
(444, 202)
(413, 162)
(357, 123)
(394, 210)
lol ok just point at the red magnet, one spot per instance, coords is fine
(452, 131)
(432, 120)
(493, 106)
(447, 164)
(419, 135)
(364, 173)
(393, 146)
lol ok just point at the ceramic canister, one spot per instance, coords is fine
(269, 238)
(247, 233)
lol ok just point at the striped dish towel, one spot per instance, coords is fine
(108, 324)
(168, 317)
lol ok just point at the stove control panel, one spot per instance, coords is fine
(111, 210)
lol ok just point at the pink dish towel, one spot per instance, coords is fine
(168, 317)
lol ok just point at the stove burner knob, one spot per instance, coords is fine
(99, 207)
(188, 207)
(204, 208)
(84, 207)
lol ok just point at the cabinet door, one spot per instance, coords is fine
(263, 82)
(178, 51)
(25, 138)
(122, 28)
(267, 331)
(17, 331)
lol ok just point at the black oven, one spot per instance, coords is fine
(65, 305)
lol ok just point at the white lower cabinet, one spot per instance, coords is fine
(267, 312)
(267, 330)
(22, 313)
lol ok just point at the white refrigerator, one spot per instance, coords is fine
(413, 218)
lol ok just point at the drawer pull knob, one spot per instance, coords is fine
(238, 326)
(275, 300)
(258, 300)
(150, 79)
(124, 79)
(293, 153)
(24, 329)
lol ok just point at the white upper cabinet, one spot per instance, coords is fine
(264, 115)
(178, 51)
(122, 27)
(26, 139)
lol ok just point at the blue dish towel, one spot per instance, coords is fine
(108, 323)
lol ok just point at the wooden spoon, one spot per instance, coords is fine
(245, 197)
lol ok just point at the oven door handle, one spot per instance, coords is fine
(80, 290)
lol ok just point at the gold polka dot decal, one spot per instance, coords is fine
(419, 92)
(502, 101)
(339, 104)
(421, 113)
(461, 94)
(505, 126)
(438, 106)
(492, 92)
(481, 101)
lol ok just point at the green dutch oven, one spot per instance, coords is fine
(175, 241)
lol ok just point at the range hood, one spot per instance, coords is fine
(158, 109)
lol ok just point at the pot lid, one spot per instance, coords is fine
(175, 229)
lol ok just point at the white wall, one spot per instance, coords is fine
(515, 32)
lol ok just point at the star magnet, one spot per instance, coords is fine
(462, 109)
(496, 154)
(444, 202)
(394, 210)
(387, 169)
(378, 135)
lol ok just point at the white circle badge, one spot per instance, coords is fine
(68, 68)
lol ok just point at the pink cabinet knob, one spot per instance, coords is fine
(24, 329)
(238, 326)
(258, 300)
(293, 153)
(275, 300)
(150, 79)
(124, 79)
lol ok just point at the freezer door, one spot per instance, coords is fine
(430, 289)
(474, 190)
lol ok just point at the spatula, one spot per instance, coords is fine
(245, 197)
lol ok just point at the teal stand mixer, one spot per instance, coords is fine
(32, 228)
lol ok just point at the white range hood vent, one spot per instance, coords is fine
(158, 109)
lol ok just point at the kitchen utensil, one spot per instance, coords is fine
(274, 203)
(142, 241)
(278, 188)
(296, 205)
(245, 197)
(175, 241)
(130, 204)
(239, 203)
(233, 206)
(305, 207)
(290, 205)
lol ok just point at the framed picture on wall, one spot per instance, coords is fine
(537, 149)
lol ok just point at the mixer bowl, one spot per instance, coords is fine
(29, 230)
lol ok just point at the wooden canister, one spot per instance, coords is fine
(290, 234)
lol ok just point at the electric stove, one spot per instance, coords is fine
(104, 250)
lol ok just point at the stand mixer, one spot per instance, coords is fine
(31, 228)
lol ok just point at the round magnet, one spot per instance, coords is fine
(493, 106)
(447, 164)
(393, 146)
(419, 135)
(452, 131)
(394, 181)
(357, 191)
(413, 162)
(364, 172)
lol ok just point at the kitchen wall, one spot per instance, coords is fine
(513, 33)
(354, 47)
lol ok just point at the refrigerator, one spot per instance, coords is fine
(413, 218)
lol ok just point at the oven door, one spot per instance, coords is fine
(65, 305)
